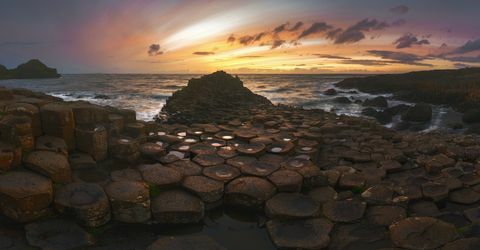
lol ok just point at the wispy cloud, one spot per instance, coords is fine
(355, 32)
(203, 53)
(401, 9)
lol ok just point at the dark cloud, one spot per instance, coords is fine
(231, 39)
(400, 57)
(279, 29)
(355, 32)
(203, 53)
(296, 27)
(472, 45)
(468, 59)
(154, 49)
(399, 22)
(367, 62)
(318, 27)
(249, 56)
(401, 9)
(249, 39)
(277, 43)
(461, 65)
(331, 56)
(408, 40)
(259, 36)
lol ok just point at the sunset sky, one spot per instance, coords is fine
(322, 36)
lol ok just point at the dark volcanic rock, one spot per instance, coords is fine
(418, 113)
(471, 116)
(378, 101)
(300, 234)
(199, 242)
(214, 97)
(31, 69)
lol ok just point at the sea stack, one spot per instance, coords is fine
(215, 97)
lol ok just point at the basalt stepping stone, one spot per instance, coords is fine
(470, 179)
(207, 160)
(323, 194)
(27, 109)
(169, 139)
(251, 149)
(51, 143)
(245, 134)
(307, 143)
(378, 194)
(296, 164)
(56, 234)
(291, 206)
(249, 192)
(463, 244)
(186, 167)
(385, 215)
(81, 161)
(190, 140)
(177, 207)
(195, 131)
(225, 135)
(130, 201)
(227, 152)
(152, 150)
(195, 242)
(127, 174)
(171, 157)
(391, 166)
(274, 159)
(92, 140)
(202, 148)
(93, 175)
(262, 139)
(435, 191)
(57, 120)
(351, 180)
(360, 236)
(223, 172)
(135, 129)
(10, 156)
(209, 190)
(24, 196)
(87, 202)
(422, 233)
(159, 175)
(344, 210)
(258, 168)
(464, 196)
(217, 143)
(281, 147)
(473, 214)
(286, 180)
(181, 147)
(439, 162)
(240, 161)
(423, 208)
(356, 156)
(51, 164)
(300, 233)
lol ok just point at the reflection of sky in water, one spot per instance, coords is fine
(147, 93)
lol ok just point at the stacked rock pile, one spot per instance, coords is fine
(323, 181)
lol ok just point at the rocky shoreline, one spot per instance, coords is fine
(321, 180)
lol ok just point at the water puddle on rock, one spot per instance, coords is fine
(232, 229)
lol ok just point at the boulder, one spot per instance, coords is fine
(419, 113)
(422, 233)
(53, 165)
(249, 192)
(130, 201)
(24, 196)
(300, 233)
(342, 99)
(177, 207)
(378, 101)
(86, 202)
(471, 116)
(57, 234)
(330, 92)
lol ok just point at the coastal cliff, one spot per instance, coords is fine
(32, 69)
(70, 168)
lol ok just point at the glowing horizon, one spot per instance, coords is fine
(247, 37)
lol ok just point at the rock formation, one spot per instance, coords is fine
(30, 70)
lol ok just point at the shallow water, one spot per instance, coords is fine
(147, 93)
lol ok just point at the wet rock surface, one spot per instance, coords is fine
(315, 180)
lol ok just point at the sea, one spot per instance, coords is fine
(147, 93)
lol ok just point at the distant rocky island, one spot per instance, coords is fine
(29, 70)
